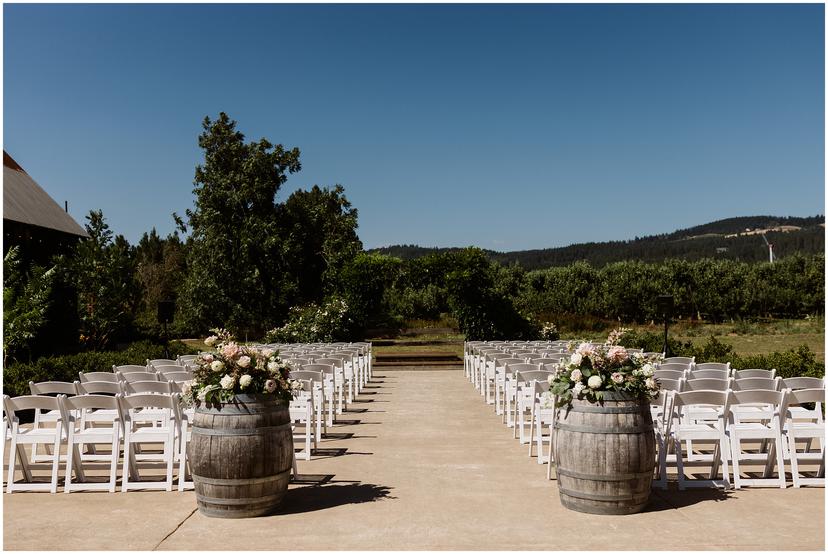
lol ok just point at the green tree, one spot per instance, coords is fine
(318, 230)
(26, 302)
(235, 265)
(160, 270)
(102, 270)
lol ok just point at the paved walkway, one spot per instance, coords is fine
(419, 463)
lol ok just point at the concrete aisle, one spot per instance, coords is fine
(420, 463)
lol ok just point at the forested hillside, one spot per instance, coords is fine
(703, 241)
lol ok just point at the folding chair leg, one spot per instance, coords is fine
(127, 463)
(113, 465)
(55, 464)
(13, 454)
(169, 453)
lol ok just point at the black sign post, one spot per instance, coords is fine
(665, 307)
(166, 310)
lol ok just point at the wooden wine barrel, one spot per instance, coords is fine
(605, 454)
(241, 454)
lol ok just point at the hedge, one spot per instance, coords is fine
(16, 377)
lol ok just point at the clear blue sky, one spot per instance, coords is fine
(505, 127)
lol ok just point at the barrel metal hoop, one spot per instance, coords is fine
(239, 501)
(239, 432)
(592, 477)
(233, 482)
(604, 497)
(603, 430)
(637, 409)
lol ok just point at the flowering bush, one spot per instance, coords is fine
(591, 370)
(326, 323)
(235, 369)
(549, 331)
(616, 334)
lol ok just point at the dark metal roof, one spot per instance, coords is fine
(25, 201)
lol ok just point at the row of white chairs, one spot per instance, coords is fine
(123, 422)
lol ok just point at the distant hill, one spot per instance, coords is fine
(736, 238)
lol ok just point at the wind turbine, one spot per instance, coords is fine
(770, 247)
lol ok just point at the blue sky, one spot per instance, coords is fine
(505, 127)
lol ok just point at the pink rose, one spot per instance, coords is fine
(617, 353)
(244, 361)
(617, 377)
(230, 350)
(270, 385)
(207, 358)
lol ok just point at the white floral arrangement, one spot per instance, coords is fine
(549, 331)
(232, 369)
(312, 323)
(592, 370)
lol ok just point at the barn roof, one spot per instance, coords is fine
(25, 201)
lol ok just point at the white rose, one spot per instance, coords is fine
(217, 365)
(576, 359)
(273, 366)
(186, 387)
(594, 382)
(576, 390)
(550, 379)
(211, 340)
(227, 382)
(296, 385)
(267, 352)
(245, 380)
(647, 370)
(575, 375)
(244, 361)
(651, 383)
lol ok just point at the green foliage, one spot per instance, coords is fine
(102, 270)
(16, 377)
(330, 322)
(26, 303)
(364, 283)
(475, 294)
(318, 234)
(796, 362)
(159, 270)
(235, 272)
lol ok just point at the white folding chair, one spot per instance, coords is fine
(43, 435)
(808, 428)
(98, 376)
(502, 375)
(524, 399)
(771, 430)
(47, 388)
(159, 411)
(682, 426)
(176, 376)
(131, 369)
(754, 373)
(78, 434)
(302, 416)
(328, 388)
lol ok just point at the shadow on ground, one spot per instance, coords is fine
(321, 497)
(672, 499)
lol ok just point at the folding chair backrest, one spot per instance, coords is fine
(336, 362)
(189, 358)
(806, 396)
(679, 359)
(708, 374)
(752, 373)
(52, 387)
(674, 366)
(91, 402)
(669, 384)
(306, 375)
(713, 365)
(296, 362)
(132, 377)
(20, 403)
(503, 362)
(130, 368)
(99, 387)
(757, 397)
(176, 376)
(522, 353)
(161, 361)
(138, 401)
(98, 376)
(533, 374)
(660, 374)
(705, 384)
(147, 387)
(701, 398)
(543, 361)
(168, 368)
(320, 368)
(756, 383)
(804, 383)
(635, 350)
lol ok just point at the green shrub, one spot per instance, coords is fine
(332, 321)
(796, 362)
(16, 377)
